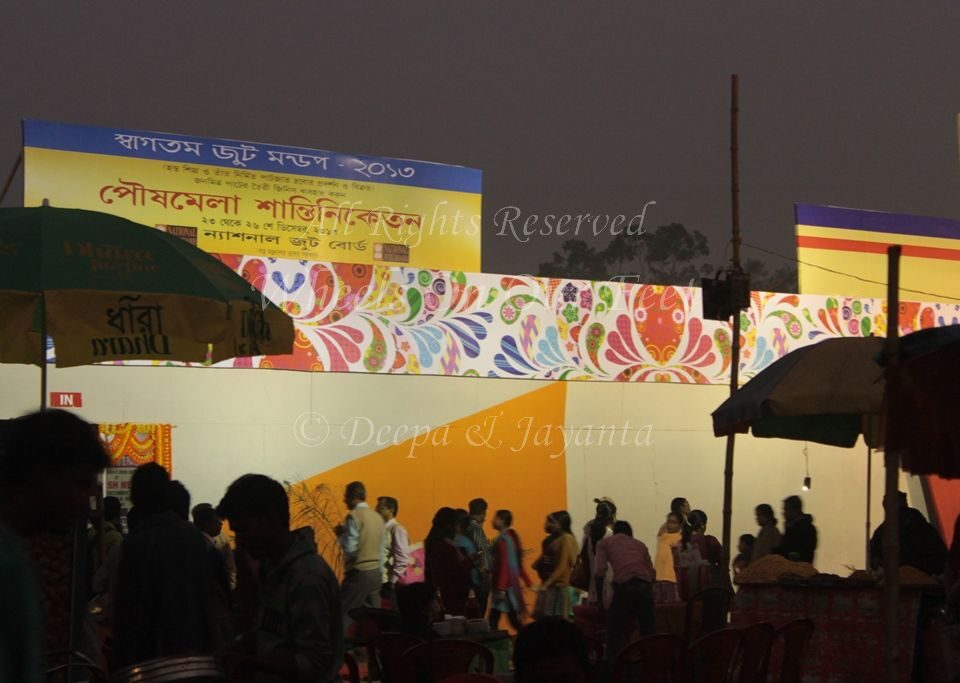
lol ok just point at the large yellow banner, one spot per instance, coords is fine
(253, 199)
(844, 252)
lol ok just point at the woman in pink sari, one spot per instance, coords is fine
(508, 573)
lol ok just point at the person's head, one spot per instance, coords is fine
(551, 650)
(444, 523)
(745, 544)
(623, 528)
(178, 500)
(112, 509)
(792, 508)
(478, 510)
(48, 469)
(355, 494)
(258, 511)
(206, 519)
(681, 507)
(463, 521)
(901, 500)
(558, 522)
(698, 520)
(674, 522)
(502, 520)
(764, 515)
(418, 604)
(148, 489)
(387, 507)
(606, 510)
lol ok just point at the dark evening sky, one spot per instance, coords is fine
(568, 107)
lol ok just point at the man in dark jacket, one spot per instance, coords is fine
(163, 606)
(920, 544)
(299, 633)
(800, 535)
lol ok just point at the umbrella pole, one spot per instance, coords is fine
(891, 459)
(869, 500)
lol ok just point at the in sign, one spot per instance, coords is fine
(66, 399)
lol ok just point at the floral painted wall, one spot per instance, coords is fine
(373, 319)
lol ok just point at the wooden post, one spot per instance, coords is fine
(891, 459)
(735, 341)
(13, 174)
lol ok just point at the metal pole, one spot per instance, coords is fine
(43, 354)
(869, 500)
(891, 459)
(735, 348)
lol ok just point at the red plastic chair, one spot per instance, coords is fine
(370, 622)
(441, 659)
(389, 648)
(714, 613)
(594, 652)
(711, 659)
(471, 678)
(755, 652)
(653, 658)
(796, 636)
(352, 669)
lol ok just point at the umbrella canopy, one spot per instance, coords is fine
(112, 289)
(925, 403)
(829, 393)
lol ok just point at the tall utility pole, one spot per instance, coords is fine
(735, 343)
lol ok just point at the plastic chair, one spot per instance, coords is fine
(166, 669)
(653, 658)
(439, 659)
(711, 658)
(353, 669)
(471, 678)
(714, 612)
(371, 622)
(796, 636)
(755, 652)
(389, 648)
(594, 652)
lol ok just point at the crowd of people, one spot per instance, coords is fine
(270, 606)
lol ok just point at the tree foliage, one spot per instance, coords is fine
(668, 255)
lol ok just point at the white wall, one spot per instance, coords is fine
(228, 422)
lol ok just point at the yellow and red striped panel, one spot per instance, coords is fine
(841, 249)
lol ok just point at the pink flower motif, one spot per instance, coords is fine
(509, 313)
(431, 301)
(586, 299)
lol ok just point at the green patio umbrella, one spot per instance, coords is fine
(109, 289)
(830, 393)
(106, 289)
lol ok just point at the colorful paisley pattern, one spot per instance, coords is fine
(376, 319)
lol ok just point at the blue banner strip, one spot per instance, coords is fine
(876, 221)
(253, 156)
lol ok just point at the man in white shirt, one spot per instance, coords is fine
(396, 549)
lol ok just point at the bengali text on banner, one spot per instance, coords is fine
(256, 199)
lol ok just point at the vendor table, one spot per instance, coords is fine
(847, 643)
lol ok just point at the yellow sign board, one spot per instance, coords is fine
(253, 199)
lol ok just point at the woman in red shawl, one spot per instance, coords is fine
(508, 572)
(445, 565)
